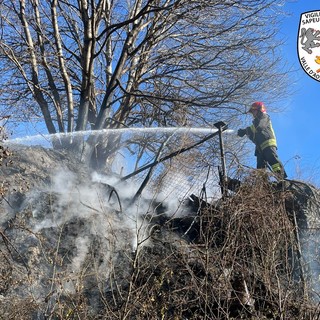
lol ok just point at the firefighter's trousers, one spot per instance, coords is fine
(269, 156)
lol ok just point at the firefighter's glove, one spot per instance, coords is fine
(242, 132)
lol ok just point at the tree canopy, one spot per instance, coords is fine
(96, 64)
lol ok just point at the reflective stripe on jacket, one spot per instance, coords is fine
(261, 132)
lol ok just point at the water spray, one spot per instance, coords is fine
(45, 138)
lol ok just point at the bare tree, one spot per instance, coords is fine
(96, 64)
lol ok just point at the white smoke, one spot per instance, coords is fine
(85, 225)
(106, 211)
(82, 245)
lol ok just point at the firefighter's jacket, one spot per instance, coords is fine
(261, 133)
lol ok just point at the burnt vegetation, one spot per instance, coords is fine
(238, 257)
(241, 262)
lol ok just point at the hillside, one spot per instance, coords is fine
(75, 247)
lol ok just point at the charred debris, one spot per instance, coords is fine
(237, 257)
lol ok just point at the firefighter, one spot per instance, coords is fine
(262, 135)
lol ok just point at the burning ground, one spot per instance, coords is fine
(74, 246)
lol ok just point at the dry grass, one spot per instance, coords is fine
(243, 265)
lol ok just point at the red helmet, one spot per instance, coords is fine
(258, 105)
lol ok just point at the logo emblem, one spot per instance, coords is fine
(309, 43)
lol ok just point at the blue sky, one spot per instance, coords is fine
(298, 126)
